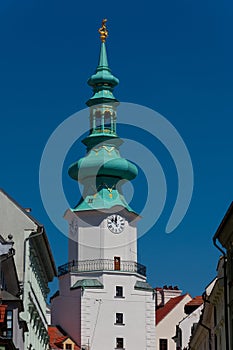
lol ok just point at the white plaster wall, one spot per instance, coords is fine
(32, 292)
(13, 221)
(187, 323)
(166, 329)
(98, 242)
(170, 293)
(94, 310)
(89, 316)
(48, 315)
(98, 315)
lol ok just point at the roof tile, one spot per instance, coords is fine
(168, 307)
(57, 337)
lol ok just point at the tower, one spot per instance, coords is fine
(104, 301)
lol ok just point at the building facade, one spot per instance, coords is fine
(223, 240)
(184, 328)
(203, 332)
(170, 310)
(34, 265)
(104, 300)
(12, 327)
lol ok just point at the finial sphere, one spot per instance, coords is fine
(103, 31)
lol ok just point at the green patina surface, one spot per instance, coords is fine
(102, 171)
(102, 201)
(88, 283)
(140, 285)
(102, 81)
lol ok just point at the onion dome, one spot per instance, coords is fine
(102, 171)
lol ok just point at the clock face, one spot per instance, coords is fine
(115, 223)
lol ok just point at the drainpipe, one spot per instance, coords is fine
(225, 292)
(203, 325)
(38, 233)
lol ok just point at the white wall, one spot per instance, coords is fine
(96, 241)
(14, 221)
(187, 323)
(166, 328)
(96, 309)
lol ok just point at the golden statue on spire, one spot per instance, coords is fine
(103, 31)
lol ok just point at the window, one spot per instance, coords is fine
(119, 291)
(9, 324)
(107, 120)
(119, 318)
(68, 347)
(98, 120)
(163, 344)
(119, 343)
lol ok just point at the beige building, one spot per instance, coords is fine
(170, 310)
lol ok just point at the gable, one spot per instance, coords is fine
(174, 305)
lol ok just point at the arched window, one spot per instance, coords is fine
(107, 120)
(98, 120)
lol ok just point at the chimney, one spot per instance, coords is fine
(163, 295)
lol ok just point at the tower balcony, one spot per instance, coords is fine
(96, 265)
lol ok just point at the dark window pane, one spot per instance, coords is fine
(119, 343)
(119, 318)
(119, 291)
(107, 120)
(9, 324)
(98, 119)
(163, 344)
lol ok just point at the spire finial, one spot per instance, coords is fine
(103, 31)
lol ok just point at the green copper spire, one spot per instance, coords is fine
(102, 82)
(102, 171)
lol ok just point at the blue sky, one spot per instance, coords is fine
(172, 56)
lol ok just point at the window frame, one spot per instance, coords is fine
(119, 319)
(163, 344)
(68, 348)
(9, 320)
(121, 340)
(119, 294)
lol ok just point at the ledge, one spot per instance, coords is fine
(76, 266)
(140, 285)
(88, 283)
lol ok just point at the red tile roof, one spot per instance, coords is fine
(193, 304)
(196, 301)
(57, 337)
(168, 307)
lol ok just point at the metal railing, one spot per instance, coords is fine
(102, 265)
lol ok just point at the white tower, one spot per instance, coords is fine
(104, 301)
